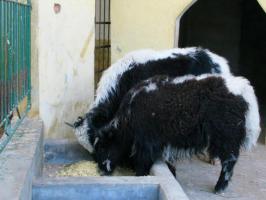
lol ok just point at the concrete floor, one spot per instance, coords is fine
(248, 183)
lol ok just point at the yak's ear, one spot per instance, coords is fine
(78, 122)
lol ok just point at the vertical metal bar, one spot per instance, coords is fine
(12, 55)
(14, 62)
(9, 58)
(1, 60)
(104, 42)
(29, 57)
(1, 20)
(3, 54)
(6, 59)
(95, 50)
(16, 52)
(23, 50)
(108, 36)
(100, 41)
(15, 80)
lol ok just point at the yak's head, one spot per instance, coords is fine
(108, 151)
(84, 131)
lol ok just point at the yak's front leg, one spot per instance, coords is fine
(143, 164)
(226, 173)
(144, 158)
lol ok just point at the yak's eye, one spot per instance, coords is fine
(78, 122)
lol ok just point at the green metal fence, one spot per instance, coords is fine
(15, 83)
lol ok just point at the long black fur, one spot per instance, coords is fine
(197, 63)
(193, 116)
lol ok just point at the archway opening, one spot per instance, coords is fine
(234, 29)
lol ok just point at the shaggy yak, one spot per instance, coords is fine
(163, 118)
(135, 67)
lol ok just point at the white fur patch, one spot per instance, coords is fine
(110, 76)
(82, 136)
(171, 154)
(115, 122)
(107, 163)
(150, 87)
(181, 79)
(95, 141)
(133, 150)
(227, 176)
(241, 86)
(134, 93)
(221, 61)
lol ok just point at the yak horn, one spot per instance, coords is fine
(71, 125)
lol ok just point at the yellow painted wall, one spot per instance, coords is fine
(138, 24)
(65, 44)
(263, 4)
(63, 50)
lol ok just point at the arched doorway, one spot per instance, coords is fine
(234, 29)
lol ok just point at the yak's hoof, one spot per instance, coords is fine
(220, 187)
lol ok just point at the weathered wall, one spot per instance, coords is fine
(146, 24)
(63, 50)
(143, 24)
(66, 63)
(34, 60)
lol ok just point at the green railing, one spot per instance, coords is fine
(15, 83)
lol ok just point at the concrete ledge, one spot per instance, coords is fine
(96, 188)
(169, 187)
(160, 186)
(20, 161)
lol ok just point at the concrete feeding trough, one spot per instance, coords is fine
(160, 185)
(44, 159)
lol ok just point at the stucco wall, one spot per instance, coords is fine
(34, 60)
(146, 24)
(143, 24)
(263, 4)
(63, 50)
(66, 63)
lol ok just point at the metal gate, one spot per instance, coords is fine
(102, 37)
(15, 58)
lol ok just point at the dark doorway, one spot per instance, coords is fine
(234, 29)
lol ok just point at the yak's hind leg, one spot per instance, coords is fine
(226, 145)
(228, 162)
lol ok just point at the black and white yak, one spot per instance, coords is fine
(135, 67)
(165, 118)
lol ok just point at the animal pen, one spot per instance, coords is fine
(15, 66)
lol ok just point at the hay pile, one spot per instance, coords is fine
(90, 168)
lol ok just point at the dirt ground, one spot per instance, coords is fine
(248, 183)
